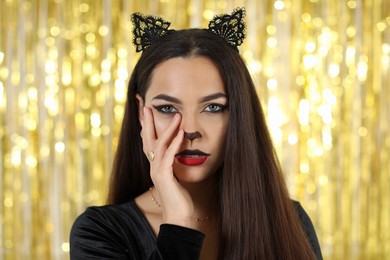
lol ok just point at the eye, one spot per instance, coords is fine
(167, 109)
(214, 108)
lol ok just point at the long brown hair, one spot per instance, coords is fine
(258, 219)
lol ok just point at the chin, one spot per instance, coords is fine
(192, 174)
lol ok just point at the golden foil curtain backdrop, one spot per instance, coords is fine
(322, 72)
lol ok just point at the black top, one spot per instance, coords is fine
(122, 232)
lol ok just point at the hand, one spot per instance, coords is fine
(176, 202)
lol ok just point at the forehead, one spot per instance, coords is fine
(186, 76)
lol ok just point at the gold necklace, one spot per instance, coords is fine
(155, 201)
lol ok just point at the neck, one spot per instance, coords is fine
(204, 196)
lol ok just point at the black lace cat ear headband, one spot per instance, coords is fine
(149, 29)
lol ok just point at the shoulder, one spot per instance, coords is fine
(112, 230)
(303, 216)
(116, 217)
(308, 228)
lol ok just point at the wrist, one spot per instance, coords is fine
(187, 222)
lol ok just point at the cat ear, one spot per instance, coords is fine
(230, 27)
(147, 30)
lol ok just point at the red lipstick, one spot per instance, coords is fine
(191, 161)
(192, 157)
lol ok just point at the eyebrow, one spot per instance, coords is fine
(212, 97)
(202, 100)
(167, 98)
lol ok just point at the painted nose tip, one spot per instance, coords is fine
(192, 136)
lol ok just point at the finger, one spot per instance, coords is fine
(166, 137)
(166, 176)
(148, 131)
(142, 128)
(168, 159)
(174, 147)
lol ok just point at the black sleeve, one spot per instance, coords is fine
(97, 236)
(309, 230)
(176, 242)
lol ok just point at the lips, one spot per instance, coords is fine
(192, 157)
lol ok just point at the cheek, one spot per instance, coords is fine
(217, 130)
(222, 135)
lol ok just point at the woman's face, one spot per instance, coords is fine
(193, 87)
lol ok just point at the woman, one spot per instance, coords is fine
(195, 173)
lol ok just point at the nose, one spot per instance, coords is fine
(191, 127)
(192, 136)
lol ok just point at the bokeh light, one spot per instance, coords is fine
(321, 69)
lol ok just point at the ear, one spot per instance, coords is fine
(140, 103)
